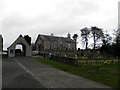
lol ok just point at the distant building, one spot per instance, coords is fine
(1, 44)
(51, 42)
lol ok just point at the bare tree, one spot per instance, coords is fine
(97, 34)
(85, 32)
(75, 36)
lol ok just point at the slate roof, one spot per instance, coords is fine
(55, 38)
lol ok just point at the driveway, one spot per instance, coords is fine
(25, 72)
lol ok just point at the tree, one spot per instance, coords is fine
(117, 43)
(97, 34)
(75, 36)
(117, 38)
(114, 48)
(105, 48)
(85, 32)
(106, 39)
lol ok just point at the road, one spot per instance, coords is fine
(25, 72)
(13, 76)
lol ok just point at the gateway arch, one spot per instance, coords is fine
(25, 45)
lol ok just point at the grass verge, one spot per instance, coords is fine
(103, 73)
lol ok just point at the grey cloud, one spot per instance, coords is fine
(18, 21)
(78, 7)
(1, 8)
(89, 7)
(15, 21)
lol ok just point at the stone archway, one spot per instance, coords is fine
(26, 47)
(20, 50)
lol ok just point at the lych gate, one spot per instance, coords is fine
(26, 48)
(20, 50)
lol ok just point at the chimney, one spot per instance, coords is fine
(69, 35)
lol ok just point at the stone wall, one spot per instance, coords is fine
(56, 45)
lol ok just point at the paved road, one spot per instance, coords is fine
(24, 72)
(13, 76)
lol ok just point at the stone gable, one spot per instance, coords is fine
(20, 40)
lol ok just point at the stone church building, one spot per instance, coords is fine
(51, 42)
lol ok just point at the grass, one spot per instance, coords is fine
(99, 72)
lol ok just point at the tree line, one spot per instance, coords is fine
(108, 46)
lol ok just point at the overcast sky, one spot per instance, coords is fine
(119, 15)
(35, 17)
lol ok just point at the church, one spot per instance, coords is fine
(42, 43)
(51, 42)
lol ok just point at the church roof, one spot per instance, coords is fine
(55, 38)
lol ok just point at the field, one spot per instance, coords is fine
(105, 73)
